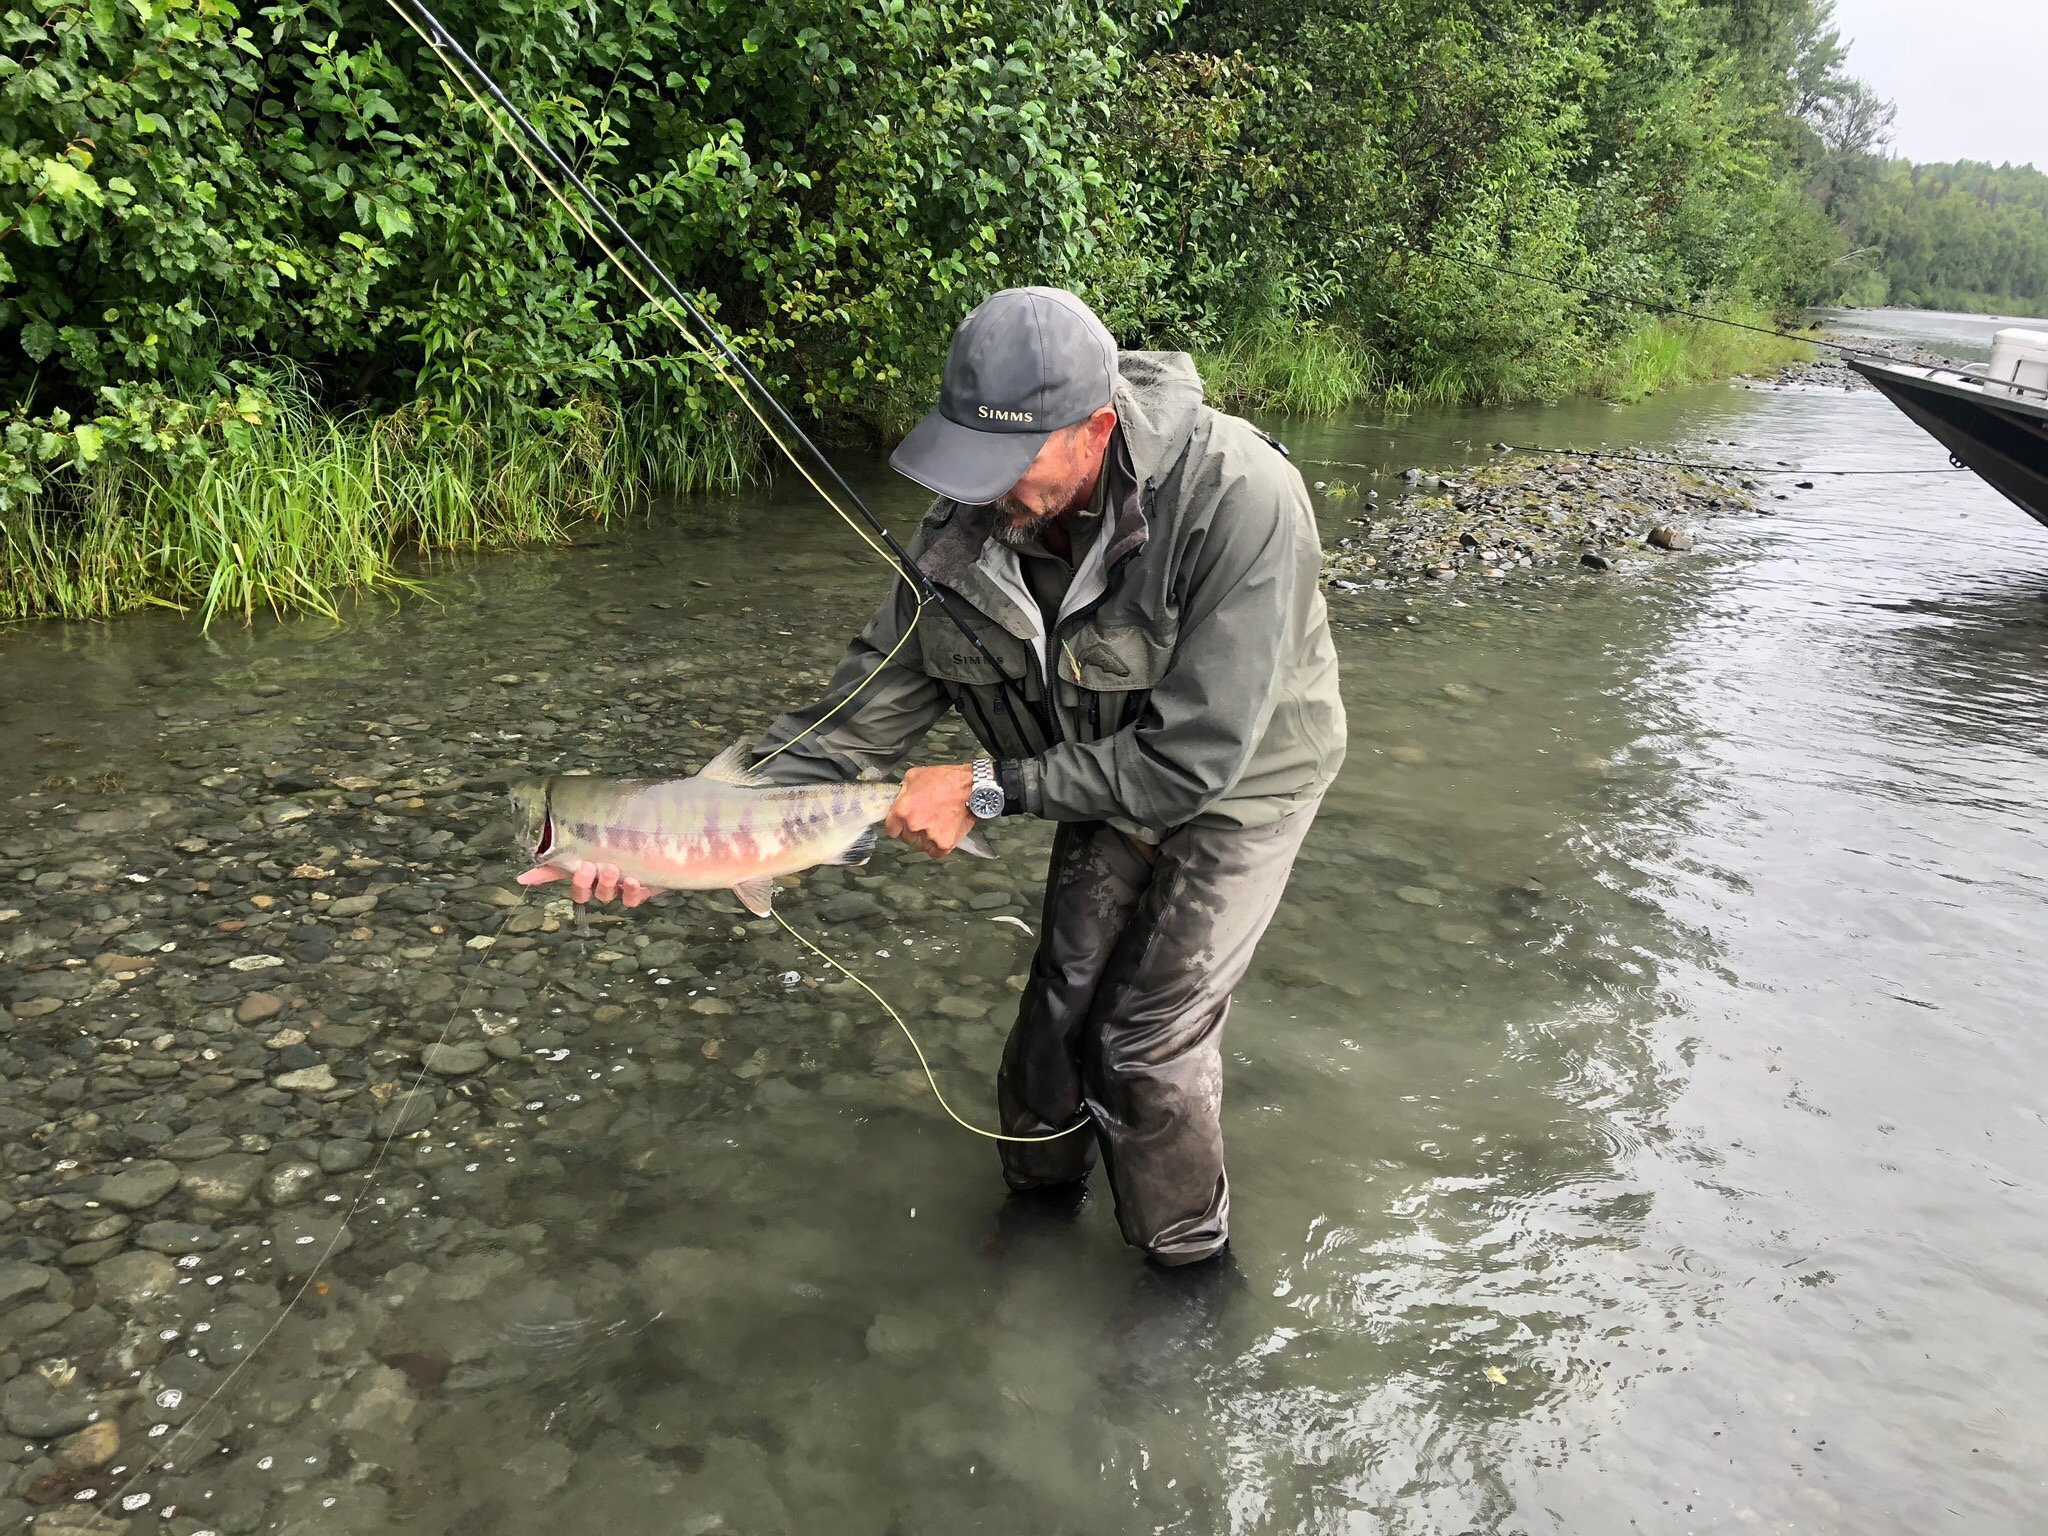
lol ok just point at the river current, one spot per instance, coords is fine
(1635, 1113)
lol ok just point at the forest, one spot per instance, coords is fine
(1958, 236)
(281, 311)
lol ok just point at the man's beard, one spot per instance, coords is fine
(1017, 524)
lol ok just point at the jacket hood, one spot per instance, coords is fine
(1158, 398)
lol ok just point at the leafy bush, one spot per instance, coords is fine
(232, 237)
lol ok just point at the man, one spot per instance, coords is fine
(1145, 573)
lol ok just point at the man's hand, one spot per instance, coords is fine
(931, 812)
(587, 880)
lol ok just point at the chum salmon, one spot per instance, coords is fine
(723, 828)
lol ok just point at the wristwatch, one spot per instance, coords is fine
(985, 800)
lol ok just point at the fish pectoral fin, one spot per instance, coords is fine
(974, 845)
(756, 895)
(861, 849)
(730, 767)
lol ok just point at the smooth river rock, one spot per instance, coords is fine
(135, 1276)
(454, 1060)
(139, 1185)
(34, 1409)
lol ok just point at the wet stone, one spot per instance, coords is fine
(18, 1279)
(455, 1060)
(140, 1185)
(1419, 896)
(78, 1520)
(92, 1226)
(315, 1079)
(299, 1240)
(33, 1408)
(195, 1144)
(177, 1237)
(89, 1253)
(231, 1332)
(344, 1155)
(340, 1037)
(849, 907)
(92, 1446)
(26, 1321)
(223, 1182)
(289, 1183)
(410, 1113)
(135, 1276)
(257, 1007)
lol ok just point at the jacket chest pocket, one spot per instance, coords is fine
(1114, 658)
(951, 656)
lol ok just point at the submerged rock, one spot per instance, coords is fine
(35, 1409)
(135, 1276)
(141, 1185)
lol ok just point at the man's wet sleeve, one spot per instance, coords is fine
(1205, 717)
(893, 703)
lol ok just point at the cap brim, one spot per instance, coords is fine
(963, 464)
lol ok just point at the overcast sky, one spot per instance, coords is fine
(1970, 77)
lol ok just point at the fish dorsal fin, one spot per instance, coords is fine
(730, 767)
(756, 895)
(861, 849)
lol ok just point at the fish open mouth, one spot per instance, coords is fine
(546, 844)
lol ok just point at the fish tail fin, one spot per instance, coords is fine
(974, 845)
(861, 849)
(756, 895)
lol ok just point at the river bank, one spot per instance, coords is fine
(300, 509)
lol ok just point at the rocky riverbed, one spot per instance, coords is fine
(1522, 514)
(278, 1016)
(296, 1084)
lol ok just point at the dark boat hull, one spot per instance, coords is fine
(2001, 435)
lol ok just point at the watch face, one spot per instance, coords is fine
(986, 802)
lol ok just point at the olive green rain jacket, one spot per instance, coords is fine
(1190, 678)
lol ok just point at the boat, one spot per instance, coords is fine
(1991, 417)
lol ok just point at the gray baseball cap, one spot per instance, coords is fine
(1023, 364)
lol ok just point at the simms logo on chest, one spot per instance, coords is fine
(990, 413)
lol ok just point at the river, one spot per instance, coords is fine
(1635, 1113)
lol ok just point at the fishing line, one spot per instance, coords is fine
(921, 1061)
(443, 45)
(219, 1394)
(460, 63)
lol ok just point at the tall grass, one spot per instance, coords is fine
(1661, 353)
(309, 508)
(1296, 370)
(1315, 370)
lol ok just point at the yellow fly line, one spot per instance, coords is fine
(699, 349)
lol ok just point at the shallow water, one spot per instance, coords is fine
(1635, 1112)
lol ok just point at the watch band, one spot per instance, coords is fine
(986, 800)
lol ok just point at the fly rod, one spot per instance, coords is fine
(447, 47)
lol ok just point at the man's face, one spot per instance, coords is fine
(1060, 478)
